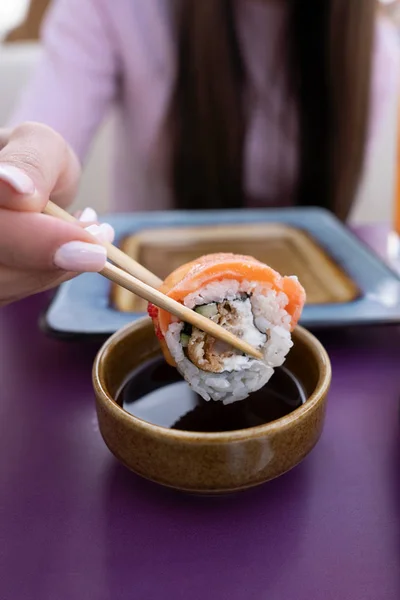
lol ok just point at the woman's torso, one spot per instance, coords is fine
(97, 50)
(147, 63)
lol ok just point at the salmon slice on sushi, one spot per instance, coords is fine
(247, 298)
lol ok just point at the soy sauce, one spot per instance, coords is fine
(156, 393)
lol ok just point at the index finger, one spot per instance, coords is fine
(36, 164)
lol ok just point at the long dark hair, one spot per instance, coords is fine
(328, 57)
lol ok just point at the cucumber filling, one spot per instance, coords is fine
(236, 316)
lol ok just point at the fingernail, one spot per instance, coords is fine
(103, 232)
(80, 256)
(88, 216)
(17, 179)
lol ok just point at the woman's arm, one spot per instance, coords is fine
(385, 83)
(76, 80)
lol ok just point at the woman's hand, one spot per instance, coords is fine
(38, 252)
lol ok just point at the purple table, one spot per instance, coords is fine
(77, 526)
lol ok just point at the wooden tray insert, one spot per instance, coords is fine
(289, 250)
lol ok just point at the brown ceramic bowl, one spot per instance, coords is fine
(208, 463)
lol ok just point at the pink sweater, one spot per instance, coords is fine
(104, 53)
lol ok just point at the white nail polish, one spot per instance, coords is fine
(103, 232)
(17, 179)
(88, 216)
(80, 256)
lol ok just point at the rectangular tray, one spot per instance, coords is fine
(347, 284)
(286, 249)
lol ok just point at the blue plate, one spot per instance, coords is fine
(82, 306)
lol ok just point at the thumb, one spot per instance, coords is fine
(36, 163)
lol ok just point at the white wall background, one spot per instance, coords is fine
(12, 13)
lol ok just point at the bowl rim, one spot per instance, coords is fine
(285, 422)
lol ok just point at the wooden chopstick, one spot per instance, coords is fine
(113, 253)
(141, 287)
(175, 308)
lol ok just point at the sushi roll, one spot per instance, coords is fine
(242, 295)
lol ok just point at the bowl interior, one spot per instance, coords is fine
(137, 343)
